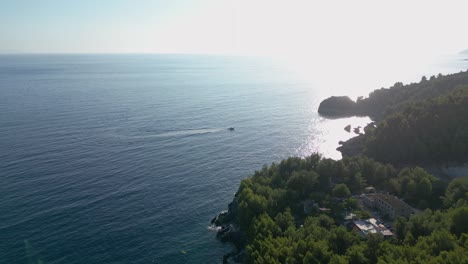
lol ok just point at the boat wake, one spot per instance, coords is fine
(104, 138)
(187, 132)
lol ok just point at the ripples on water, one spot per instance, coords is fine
(125, 159)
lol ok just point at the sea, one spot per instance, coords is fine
(109, 158)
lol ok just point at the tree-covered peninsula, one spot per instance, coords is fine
(429, 131)
(419, 129)
(386, 101)
(368, 207)
(297, 211)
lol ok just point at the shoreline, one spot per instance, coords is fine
(228, 231)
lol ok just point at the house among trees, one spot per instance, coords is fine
(370, 226)
(387, 204)
(370, 189)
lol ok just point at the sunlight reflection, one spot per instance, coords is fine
(324, 135)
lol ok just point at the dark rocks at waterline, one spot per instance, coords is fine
(223, 217)
(230, 232)
(357, 130)
(355, 146)
(352, 147)
(347, 128)
(226, 217)
(234, 257)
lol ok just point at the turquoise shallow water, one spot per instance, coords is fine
(126, 158)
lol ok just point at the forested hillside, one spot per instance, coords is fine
(271, 219)
(276, 229)
(386, 101)
(434, 130)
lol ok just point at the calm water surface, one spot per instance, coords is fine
(126, 158)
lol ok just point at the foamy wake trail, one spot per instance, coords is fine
(188, 132)
(163, 134)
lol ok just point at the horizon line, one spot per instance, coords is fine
(134, 53)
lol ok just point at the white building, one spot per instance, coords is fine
(387, 204)
(370, 226)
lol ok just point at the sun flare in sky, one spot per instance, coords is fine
(288, 29)
(383, 40)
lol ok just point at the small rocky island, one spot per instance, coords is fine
(337, 106)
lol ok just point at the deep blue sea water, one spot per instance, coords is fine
(126, 158)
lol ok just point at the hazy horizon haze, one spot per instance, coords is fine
(268, 28)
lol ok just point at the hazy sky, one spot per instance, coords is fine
(284, 28)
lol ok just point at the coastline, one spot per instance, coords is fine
(382, 107)
(229, 231)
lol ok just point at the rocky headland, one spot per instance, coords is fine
(229, 232)
(337, 106)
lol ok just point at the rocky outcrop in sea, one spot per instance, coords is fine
(337, 106)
